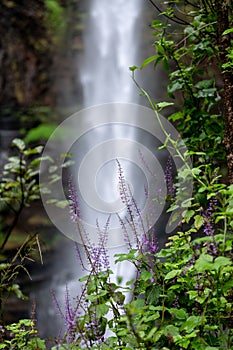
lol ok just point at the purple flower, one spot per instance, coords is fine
(208, 215)
(150, 244)
(71, 316)
(209, 226)
(169, 178)
(74, 207)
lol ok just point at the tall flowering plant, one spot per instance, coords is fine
(180, 296)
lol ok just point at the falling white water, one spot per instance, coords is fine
(110, 48)
(111, 41)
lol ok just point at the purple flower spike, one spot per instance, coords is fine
(150, 244)
(169, 178)
(71, 316)
(74, 207)
(209, 226)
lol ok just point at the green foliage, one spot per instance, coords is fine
(181, 296)
(228, 65)
(19, 183)
(191, 59)
(21, 335)
(41, 132)
(55, 18)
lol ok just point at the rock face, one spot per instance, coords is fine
(24, 53)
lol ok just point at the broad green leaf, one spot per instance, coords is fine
(179, 313)
(42, 131)
(101, 310)
(227, 31)
(37, 343)
(151, 333)
(204, 84)
(198, 221)
(19, 144)
(204, 263)
(172, 274)
(191, 323)
(227, 286)
(172, 331)
(188, 214)
(220, 262)
(145, 275)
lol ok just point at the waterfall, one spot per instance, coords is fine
(111, 43)
(110, 127)
(110, 48)
(111, 40)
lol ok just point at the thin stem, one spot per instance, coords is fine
(224, 232)
(168, 136)
(184, 39)
(173, 19)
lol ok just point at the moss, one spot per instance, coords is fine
(55, 19)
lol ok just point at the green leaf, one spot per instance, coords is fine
(133, 68)
(220, 262)
(206, 93)
(192, 294)
(164, 104)
(26, 322)
(227, 31)
(176, 116)
(151, 333)
(37, 343)
(145, 275)
(19, 144)
(147, 61)
(101, 310)
(15, 288)
(172, 274)
(84, 278)
(204, 263)
(175, 86)
(172, 331)
(191, 323)
(227, 286)
(36, 150)
(188, 214)
(136, 305)
(179, 313)
(42, 131)
(204, 84)
(198, 221)
(157, 24)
